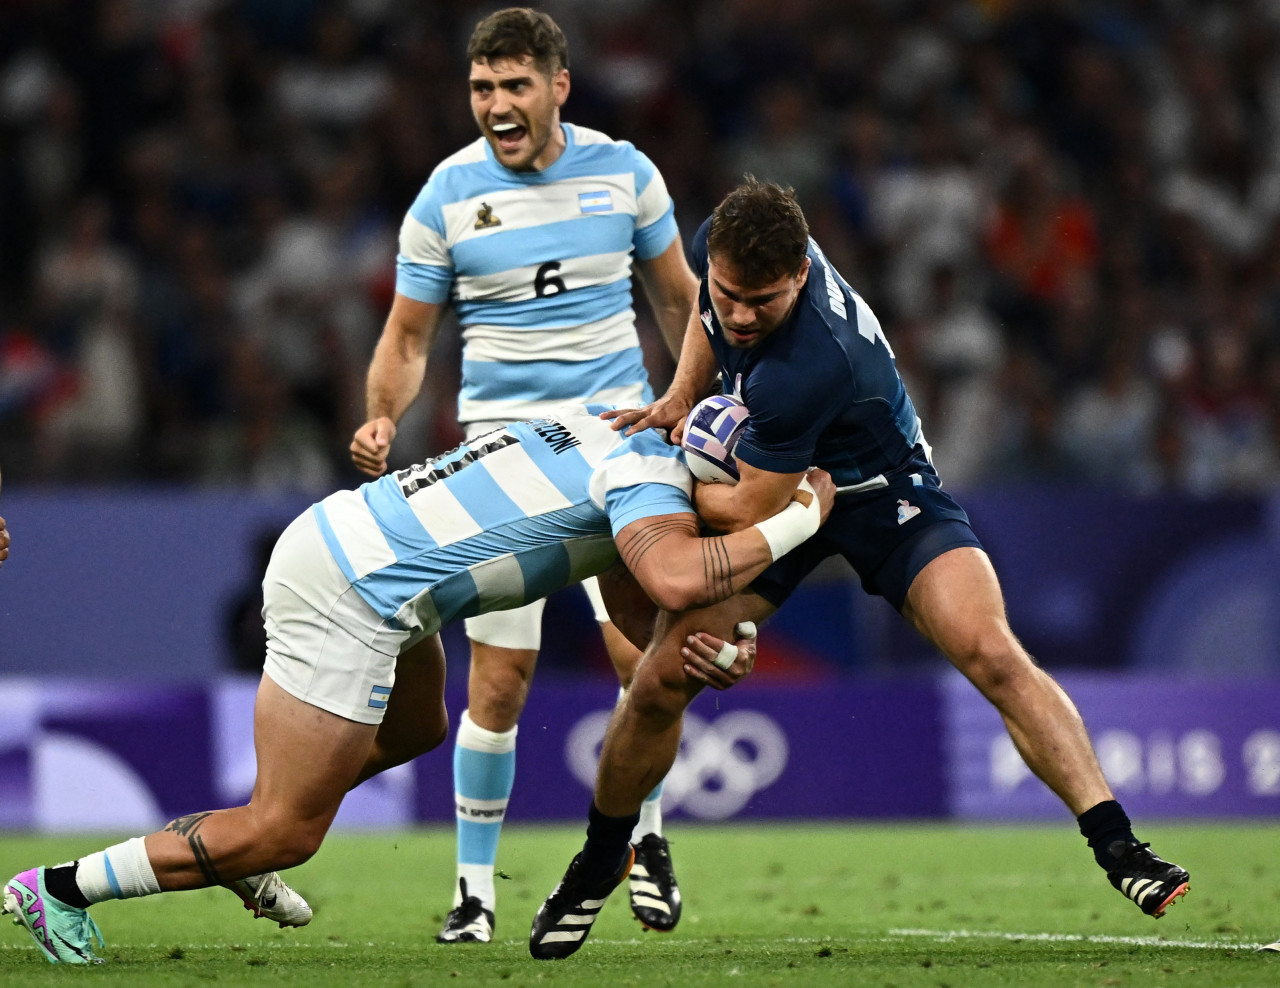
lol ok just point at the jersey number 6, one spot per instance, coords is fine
(545, 282)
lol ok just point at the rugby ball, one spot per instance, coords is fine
(710, 433)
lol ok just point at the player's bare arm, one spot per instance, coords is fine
(672, 289)
(757, 495)
(679, 570)
(694, 379)
(394, 379)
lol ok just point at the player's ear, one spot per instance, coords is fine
(560, 86)
(803, 275)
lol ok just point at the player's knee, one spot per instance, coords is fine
(283, 839)
(499, 711)
(387, 754)
(657, 701)
(429, 739)
(299, 844)
(993, 660)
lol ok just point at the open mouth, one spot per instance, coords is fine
(509, 135)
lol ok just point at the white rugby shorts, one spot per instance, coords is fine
(325, 645)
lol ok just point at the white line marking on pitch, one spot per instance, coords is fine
(895, 934)
(1076, 938)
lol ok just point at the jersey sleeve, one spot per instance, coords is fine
(645, 476)
(424, 266)
(655, 212)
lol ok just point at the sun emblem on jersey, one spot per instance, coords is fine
(485, 217)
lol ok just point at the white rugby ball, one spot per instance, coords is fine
(710, 433)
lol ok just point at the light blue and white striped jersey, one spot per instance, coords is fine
(503, 520)
(538, 265)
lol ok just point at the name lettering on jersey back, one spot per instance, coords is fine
(556, 436)
(867, 324)
(422, 475)
(835, 297)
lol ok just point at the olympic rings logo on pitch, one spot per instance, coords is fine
(721, 763)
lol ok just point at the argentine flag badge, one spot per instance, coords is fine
(378, 697)
(595, 202)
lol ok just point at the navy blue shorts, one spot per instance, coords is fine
(888, 536)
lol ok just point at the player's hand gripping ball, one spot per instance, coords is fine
(710, 433)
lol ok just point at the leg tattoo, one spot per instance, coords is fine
(189, 826)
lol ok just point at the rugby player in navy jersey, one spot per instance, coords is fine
(788, 336)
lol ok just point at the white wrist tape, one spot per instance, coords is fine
(792, 525)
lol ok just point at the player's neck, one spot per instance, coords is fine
(554, 150)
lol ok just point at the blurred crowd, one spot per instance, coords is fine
(1063, 211)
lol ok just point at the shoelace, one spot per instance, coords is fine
(468, 910)
(262, 889)
(1132, 851)
(658, 861)
(88, 932)
(567, 884)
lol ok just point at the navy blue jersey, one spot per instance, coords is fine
(822, 389)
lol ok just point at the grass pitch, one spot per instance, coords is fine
(785, 905)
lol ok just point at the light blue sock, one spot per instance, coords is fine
(484, 770)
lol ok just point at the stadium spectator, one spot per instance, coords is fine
(1156, 123)
(530, 231)
(961, 350)
(930, 212)
(807, 355)
(1108, 427)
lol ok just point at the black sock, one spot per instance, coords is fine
(60, 882)
(608, 844)
(1102, 826)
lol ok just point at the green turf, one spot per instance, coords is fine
(790, 905)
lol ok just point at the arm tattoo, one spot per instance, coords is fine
(717, 568)
(189, 826)
(649, 536)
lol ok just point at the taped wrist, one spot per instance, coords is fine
(792, 525)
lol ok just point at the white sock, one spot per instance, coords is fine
(479, 879)
(650, 815)
(122, 871)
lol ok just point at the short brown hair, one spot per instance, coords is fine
(760, 231)
(519, 32)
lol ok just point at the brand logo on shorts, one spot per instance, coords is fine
(906, 512)
(378, 697)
